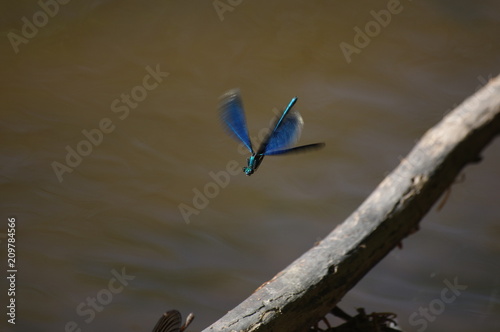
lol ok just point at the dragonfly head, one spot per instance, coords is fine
(251, 165)
(248, 170)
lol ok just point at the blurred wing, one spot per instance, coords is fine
(285, 134)
(233, 117)
(298, 149)
(170, 322)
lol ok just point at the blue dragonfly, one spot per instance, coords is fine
(285, 131)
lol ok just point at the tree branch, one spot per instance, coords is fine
(311, 286)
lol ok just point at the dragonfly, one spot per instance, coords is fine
(284, 132)
(171, 322)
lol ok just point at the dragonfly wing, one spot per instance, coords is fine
(298, 149)
(170, 322)
(285, 134)
(233, 117)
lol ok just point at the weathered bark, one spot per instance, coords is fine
(311, 286)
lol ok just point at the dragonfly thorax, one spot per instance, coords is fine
(253, 163)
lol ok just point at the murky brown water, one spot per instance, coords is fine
(131, 89)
